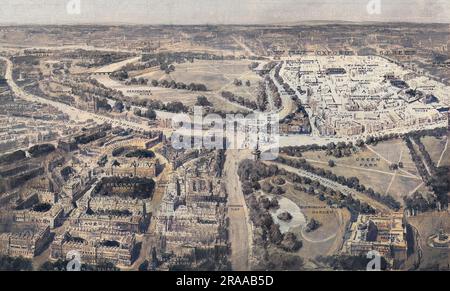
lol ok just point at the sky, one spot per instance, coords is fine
(220, 11)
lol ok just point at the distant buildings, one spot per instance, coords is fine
(359, 95)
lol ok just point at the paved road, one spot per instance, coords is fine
(240, 232)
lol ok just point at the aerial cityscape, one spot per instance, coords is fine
(311, 146)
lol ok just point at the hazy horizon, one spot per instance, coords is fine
(215, 12)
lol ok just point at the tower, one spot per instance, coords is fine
(257, 152)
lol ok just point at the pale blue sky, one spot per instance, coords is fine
(219, 11)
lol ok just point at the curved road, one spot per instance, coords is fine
(72, 112)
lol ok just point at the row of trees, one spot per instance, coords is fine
(267, 68)
(438, 178)
(373, 140)
(137, 81)
(277, 102)
(219, 162)
(123, 76)
(280, 80)
(331, 149)
(418, 202)
(182, 57)
(174, 106)
(261, 97)
(93, 89)
(352, 182)
(238, 83)
(239, 100)
(179, 85)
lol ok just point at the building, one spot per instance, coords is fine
(138, 168)
(78, 185)
(192, 212)
(385, 234)
(52, 217)
(111, 214)
(25, 243)
(95, 247)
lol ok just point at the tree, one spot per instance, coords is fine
(176, 107)
(360, 143)
(120, 75)
(312, 225)
(275, 234)
(266, 187)
(393, 167)
(290, 242)
(285, 216)
(150, 114)
(137, 112)
(155, 261)
(278, 191)
(202, 101)
(144, 266)
(247, 188)
(331, 163)
(266, 203)
(118, 106)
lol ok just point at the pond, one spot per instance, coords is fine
(287, 205)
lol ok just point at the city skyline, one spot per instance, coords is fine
(201, 12)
